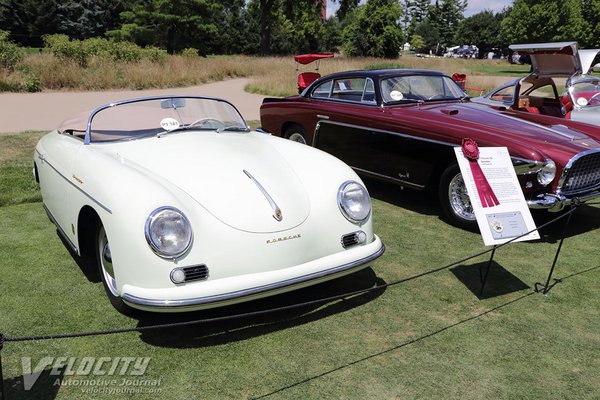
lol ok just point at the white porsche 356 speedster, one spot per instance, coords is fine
(185, 208)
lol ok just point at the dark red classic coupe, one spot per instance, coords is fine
(401, 126)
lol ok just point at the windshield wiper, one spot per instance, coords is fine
(405, 101)
(183, 128)
(233, 128)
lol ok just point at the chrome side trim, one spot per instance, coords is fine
(388, 178)
(45, 160)
(60, 230)
(380, 131)
(276, 210)
(568, 167)
(247, 292)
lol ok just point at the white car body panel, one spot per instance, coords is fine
(248, 252)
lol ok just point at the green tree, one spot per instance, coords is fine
(346, 8)
(375, 31)
(430, 35)
(28, 20)
(591, 16)
(445, 15)
(417, 42)
(482, 30)
(88, 18)
(544, 21)
(170, 25)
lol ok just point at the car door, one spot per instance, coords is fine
(54, 159)
(345, 122)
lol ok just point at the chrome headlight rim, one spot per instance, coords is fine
(346, 213)
(157, 250)
(547, 173)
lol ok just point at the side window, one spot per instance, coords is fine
(504, 95)
(348, 89)
(546, 91)
(323, 90)
(369, 93)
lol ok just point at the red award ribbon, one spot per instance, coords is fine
(486, 194)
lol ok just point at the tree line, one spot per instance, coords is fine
(377, 28)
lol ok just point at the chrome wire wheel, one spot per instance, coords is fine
(105, 262)
(297, 137)
(459, 200)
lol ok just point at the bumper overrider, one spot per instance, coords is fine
(237, 289)
(557, 202)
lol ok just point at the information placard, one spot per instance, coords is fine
(498, 202)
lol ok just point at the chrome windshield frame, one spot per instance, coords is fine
(87, 138)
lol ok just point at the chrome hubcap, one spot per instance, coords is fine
(106, 265)
(459, 199)
(297, 137)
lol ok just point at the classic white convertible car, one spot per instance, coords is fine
(185, 208)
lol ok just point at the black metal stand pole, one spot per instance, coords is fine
(483, 277)
(2, 397)
(547, 286)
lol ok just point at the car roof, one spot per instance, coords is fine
(382, 73)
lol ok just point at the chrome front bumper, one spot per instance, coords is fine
(555, 203)
(251, 293)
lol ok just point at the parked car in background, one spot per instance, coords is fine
(560, 84)
(184, 208)
(401, 126)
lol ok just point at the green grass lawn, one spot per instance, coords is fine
(432, 337)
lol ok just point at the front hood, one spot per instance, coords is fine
(215, 169)
(498, 126)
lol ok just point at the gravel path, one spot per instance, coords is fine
(46, 110)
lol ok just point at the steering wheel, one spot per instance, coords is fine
(594, 98)
(200, 123)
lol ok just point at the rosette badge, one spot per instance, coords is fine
(486, 194)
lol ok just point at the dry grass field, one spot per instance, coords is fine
(273, 76)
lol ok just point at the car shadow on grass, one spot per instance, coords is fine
(584, 219)
(87, 265)
(228, 330)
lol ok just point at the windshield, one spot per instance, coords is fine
(586, 93)
(419, 88)
(134, 119)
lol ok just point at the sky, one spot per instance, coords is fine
(474, 6)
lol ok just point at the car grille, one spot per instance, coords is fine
(195, 273)
(583, 175)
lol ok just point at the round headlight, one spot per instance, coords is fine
(354, 201)
(168, 232)
(547, 173)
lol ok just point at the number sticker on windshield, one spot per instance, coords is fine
(396, 95)
(168, 124)
(582, 101)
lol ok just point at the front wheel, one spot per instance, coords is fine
(295, 133)
(105, 266)
(455, 200)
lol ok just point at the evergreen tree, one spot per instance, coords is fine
(375, 31)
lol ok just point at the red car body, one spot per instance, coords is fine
(390, 133)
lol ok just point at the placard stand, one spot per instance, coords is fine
(483, 276)
(546, 288)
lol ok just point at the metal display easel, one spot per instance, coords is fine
(545, 288)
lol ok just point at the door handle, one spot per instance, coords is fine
(321, 116)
